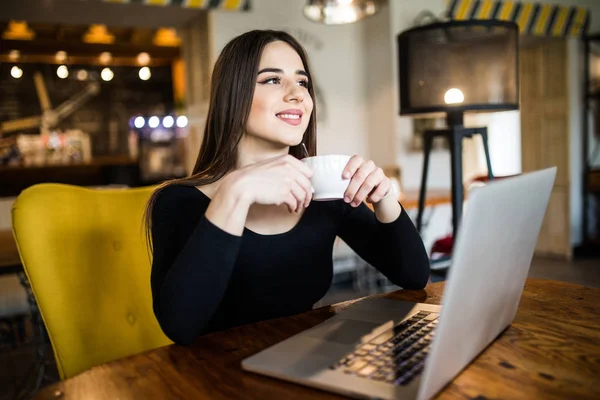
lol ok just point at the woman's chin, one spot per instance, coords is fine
(295, 142)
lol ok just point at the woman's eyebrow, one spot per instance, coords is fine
(280, 71)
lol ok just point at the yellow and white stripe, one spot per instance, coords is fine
(560, 22)
(157, 2)
(229, 5)
(195, 3)
(506, 10)
(532, 18)
(232, 4)
(485, 11)
(525, 16)
(543, 20)
(580, 18)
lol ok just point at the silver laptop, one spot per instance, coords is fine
(389, 349)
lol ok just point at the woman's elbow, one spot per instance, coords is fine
(181, 339)
(178, 336)
(416, 284)
(419, 278)
(175, 331)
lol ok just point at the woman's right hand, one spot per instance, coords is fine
(280, 180)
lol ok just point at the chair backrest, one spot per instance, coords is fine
(84, 253)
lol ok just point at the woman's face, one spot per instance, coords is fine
(282, 105)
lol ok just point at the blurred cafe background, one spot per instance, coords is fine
(84, 105)
(114, 94)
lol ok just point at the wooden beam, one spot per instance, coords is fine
(87, 60)
(51, 46)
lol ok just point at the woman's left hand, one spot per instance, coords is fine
(368, 182)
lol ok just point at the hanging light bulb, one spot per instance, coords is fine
(143, 58)
(62, 72)
(105, 58)
(107, 74)
(144, 73)
(153, 121)
(182, 121)
(14, 55)
(168, 121)
(16, 72)
(82, 74)
(336, 12)
(454, 96)
(139, 122)
(60, 56)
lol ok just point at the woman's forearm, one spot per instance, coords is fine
(387, 209)
(229, 208)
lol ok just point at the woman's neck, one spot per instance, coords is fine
(252, 150)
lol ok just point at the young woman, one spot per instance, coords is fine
(240, 240)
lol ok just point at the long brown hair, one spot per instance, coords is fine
(231, 93)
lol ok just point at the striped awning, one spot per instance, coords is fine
(231, 5)
(533, 18)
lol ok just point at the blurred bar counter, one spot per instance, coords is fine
(100, 171)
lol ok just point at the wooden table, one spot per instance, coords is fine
(433, 197)
(10, 261)
(551, 351)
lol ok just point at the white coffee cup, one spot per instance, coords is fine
(327, 180)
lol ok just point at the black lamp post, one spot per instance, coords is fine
(452, 68)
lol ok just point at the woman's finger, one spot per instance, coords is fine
(353, 165)
(380, 191)
(357, 180)
(304, 182)
(371, 182)
(299, 194)
(291, 202)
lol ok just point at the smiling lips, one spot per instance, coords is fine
(292, 116)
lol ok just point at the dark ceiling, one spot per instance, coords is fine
(50, 38)
(85, 12)
(63, 25)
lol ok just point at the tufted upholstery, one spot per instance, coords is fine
(85, 255)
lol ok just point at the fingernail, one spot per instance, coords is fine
(347, 199)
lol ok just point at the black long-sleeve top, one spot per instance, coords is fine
(205, 279)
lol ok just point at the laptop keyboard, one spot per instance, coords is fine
(396, 356)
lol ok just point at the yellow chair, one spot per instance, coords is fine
(84, 253)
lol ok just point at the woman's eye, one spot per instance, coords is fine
(271, 81)
(277, 80)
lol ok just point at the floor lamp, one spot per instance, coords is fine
(450, 68)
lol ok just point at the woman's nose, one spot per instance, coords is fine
(294, 93)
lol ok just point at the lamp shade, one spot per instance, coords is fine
(459, 66)
(336, 12)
